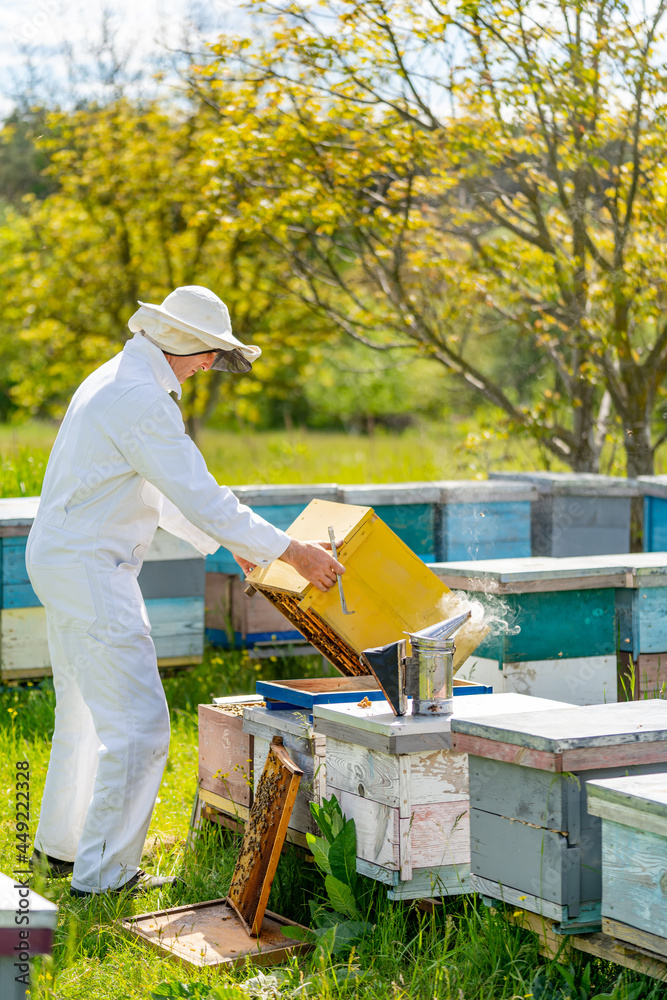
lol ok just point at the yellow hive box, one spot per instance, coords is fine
(390, 589)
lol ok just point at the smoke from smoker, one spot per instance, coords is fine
(490, 615)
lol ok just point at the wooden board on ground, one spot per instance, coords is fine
(211, 934)
(600, 945)
(264, 837)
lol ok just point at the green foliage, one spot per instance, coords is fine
(336, 929)
(565, 982)
(484, 187)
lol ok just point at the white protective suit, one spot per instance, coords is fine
(122, 464)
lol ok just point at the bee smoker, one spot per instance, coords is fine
(426, 676)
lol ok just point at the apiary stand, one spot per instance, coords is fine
(407, 790)
(533, 842)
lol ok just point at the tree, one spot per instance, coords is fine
(462, 178)
(128, 220)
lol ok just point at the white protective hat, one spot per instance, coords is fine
(193, 320)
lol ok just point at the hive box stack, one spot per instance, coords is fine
(533, 842)
(633, 813)
(654, 491)
(235, 734)
(578, 514)
(490, 519)
(407, 790)
(232, 618)
(565, 611)
(172, 581)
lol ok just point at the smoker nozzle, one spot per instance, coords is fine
(441, 630)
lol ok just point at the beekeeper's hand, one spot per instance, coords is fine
(245, 564)
(314, 561)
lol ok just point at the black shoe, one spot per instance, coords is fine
(138, 884)
(51, 867)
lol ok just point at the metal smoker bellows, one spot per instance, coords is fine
(427, 676)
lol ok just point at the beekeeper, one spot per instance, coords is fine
(121, 465)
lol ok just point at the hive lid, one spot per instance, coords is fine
(372, 494)
(638, 801)
(576, 727)
(482, 491)
(266, 495)
(652, 486)
(378, 717)
(43, 913)
(579, 484)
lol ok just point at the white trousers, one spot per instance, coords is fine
(111, 735)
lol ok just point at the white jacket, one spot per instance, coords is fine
(122, 464)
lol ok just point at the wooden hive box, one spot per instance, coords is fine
(533, 842)
(633, 813)
(21, 939)
(305, 747)
(280, 504)
(654, 491)
(386, 585)
(487, 519)
(578, 514)
(566, 610)
(172, 581)
(407, 790)
(642, 621)
(411, 510)
(226, 758)
(235, 619)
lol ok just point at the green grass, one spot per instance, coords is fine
(454, 451)
(462, 951)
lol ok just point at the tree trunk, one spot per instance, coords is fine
(193, 426)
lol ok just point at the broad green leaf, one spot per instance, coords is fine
(320, 850)
(299, 933)
(341, 897)
(343, 855)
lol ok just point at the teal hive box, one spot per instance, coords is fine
(562, 623)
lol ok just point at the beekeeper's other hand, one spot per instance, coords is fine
(314, 561)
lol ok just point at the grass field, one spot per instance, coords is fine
(463, 951)
(459, 451)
